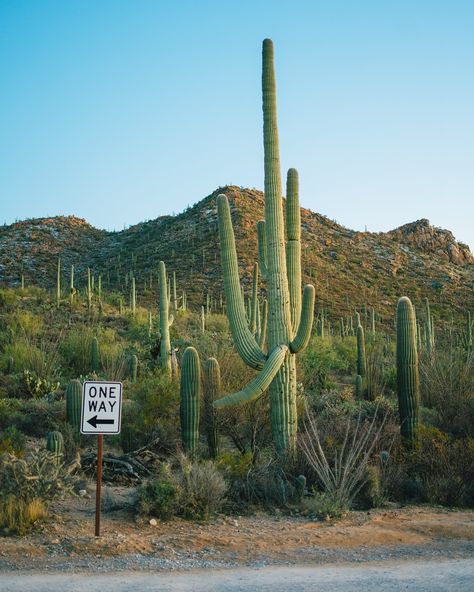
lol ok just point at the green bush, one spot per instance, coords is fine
(12, 441)
(35, 417)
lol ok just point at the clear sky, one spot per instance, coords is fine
(120, 111)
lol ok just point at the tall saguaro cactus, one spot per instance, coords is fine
(290, 318)
(166, 321)
(407, 371)
(190, 396)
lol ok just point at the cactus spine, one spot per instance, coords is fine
(165, 322)
(212, 387)
(95, 355)
(289, 319)
(190, 393)
(55, 444)
(407, 371)
(73, 404)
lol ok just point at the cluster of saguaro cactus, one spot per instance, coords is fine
(73, 405)
(290, 317)
(190, 398)
(407, 371)
(166, 321)
(212, 387)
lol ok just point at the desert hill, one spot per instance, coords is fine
(349, 269)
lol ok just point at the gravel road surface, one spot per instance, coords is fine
(429, 576)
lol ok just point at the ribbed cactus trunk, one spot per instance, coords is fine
(289, 318)
(133, 297)
(407, 371)
(133, 368)
(212, 387)
(73, 405)
(95, 355)
(55, 445)
(165, 346)
(71, 286)
(190, 395)
(175, 297)
(89, 289)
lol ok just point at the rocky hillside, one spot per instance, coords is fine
(350, 269)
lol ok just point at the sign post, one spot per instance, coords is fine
(101, 414)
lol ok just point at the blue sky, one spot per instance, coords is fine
(120, 111)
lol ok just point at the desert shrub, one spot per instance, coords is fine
(34, 417)
(192, 490)
(12, 441)
(268, 483)
(151, 412)
(18, 516)
(439, 470)
(24, 323)
(27, 485)
(321, 359)
(75, 348)
(447, 385)
(323, 506)
(203, 488)
(8, 297)
(159, 496)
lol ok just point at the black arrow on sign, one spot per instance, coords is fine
(95, 422)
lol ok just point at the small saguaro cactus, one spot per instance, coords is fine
(212, 387)
(72, 291)
(175, 297)
(133, 363)
(190, 395)
(407, 371)
(58, 284)
(203, 320)
(133, 297)
(429, 328)
(361, 358)
(55, 444)
(290, 317)
(166, 321)
(95, 355)
(89, 289)
(359, 386)
(73, 404)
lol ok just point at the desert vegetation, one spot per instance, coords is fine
(251, 397)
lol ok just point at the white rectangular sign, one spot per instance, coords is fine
(101, 407)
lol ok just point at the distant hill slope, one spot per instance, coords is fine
(350, 269)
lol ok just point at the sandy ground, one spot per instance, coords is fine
(66, 542)
(427, 576)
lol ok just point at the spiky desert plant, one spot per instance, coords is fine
(133, 366)
(289, 317)
(190, 395)
(150, 323)
(175, 297)
(73, 404)
(203, 320)
(22, 282)
(408, 383)
(262, 325)
(55, 444)
(166, 321)
(58, 284)
(372, 320)
(212, 387)
(95, 355)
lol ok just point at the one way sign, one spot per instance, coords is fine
(101, 407)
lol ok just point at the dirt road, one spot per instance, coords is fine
(429, 576)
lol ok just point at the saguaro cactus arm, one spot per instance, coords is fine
(306, 321)
(244, 341)
(257, 387)
(293, 246)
